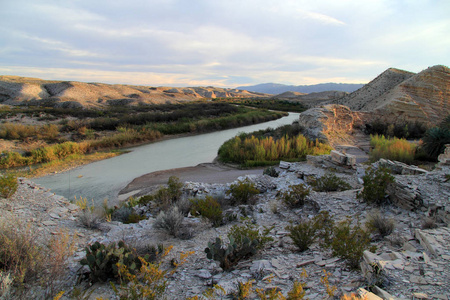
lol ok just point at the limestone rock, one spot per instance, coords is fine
(404, 195)
(320, 123)
(399, 168)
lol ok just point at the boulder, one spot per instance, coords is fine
(327, 122)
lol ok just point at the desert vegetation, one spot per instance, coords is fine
(74, 134)
(394, 141)
(436, 138)
(268, 147)
(392, 148)
(407, 130)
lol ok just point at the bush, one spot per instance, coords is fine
(174, 186)
(303, 235)
(8, 185)
(391, 148)
(375, 184)
(89, 219)
(208, 208)
(243, 192)
(349, 242)
(245, 241)
(126, 215)
(165, 196)
(271, 172)
(169, 221)
(296, 196)
(380, 224)
(329, 183)
(435, 140)
(308, 231)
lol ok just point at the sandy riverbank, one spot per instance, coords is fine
(206, 172)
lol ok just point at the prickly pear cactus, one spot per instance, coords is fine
(102, 260)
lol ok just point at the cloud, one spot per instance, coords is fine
(221, 42)
(321, 18)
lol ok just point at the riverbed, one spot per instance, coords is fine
(104, 179)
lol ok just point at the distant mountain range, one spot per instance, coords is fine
(15, 90)
(276, 88)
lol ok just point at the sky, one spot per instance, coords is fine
(222, 43)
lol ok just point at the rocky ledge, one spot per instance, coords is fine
(415, 262)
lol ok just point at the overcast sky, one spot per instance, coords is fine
(223, 43)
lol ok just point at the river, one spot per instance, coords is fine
(105, 178)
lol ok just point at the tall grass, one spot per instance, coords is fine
(124, 137)
(12, 131)
(252, 151)
(391, 148)
(65, 150)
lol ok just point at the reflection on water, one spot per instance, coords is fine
(104, 179)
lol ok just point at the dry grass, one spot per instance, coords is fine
(31, 259)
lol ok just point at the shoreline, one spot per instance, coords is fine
(129, 148)
(214, 172)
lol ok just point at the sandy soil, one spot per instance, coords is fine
(207, 173)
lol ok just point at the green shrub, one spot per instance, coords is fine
(164, 197)
(271, 172)
(303, 234)
(126, 215)
(349, 242)
(329, 183)
(435, 140)
(375, 184)
(391, 148)
(296, 196)
(208, 208)
(245, 241)
(174, 186)
(8, 185)
(243, 192)
(307, 232)
(324, 225)
(10, 159)
(380, 224)
(144, 200)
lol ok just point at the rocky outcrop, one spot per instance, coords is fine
(16, 90)
(444, 158)
(398, 96)
(328, 122)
